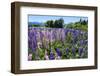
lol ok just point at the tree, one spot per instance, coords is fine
(61, 22)
(47, 23)
(55, 24)
(70, 25)
(83, 22)
(50, 23)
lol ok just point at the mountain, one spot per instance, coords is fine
(36, 23)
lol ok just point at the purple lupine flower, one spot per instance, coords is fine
(67, 51)
(74, 36)
(80, 51)
(30, 44)
(34, 41)
(53, 34)
(58, 34)
(73, 51)
(29, 33)
(41, 35)
(58, 52)
(51, 56)
(29, 40)
(49, 34)
(63, 35)
(81, 42)
(66, 31)
(86, 42)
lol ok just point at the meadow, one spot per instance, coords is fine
(56, 40)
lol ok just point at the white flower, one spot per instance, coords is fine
(30, 57)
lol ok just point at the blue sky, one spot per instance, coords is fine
(43, 18)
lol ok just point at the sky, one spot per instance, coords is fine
(44, 18)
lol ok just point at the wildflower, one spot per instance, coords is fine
(51, 56)
(80, 51)
(73, 51)
(67, 51)
(58, 52)
(30, 57)
(81, 43)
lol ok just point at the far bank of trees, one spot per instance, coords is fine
(59, 23)
(55, 24)
(82, 25)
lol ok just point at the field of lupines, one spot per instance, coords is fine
(57, 43)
